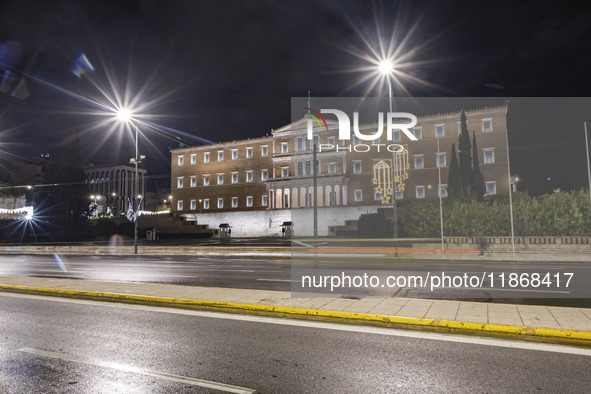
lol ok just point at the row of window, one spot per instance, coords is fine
(220, 155)
(204, 204)
(491, 188)
(220, 178)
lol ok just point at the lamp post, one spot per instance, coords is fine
(386, 67)
(125, 115)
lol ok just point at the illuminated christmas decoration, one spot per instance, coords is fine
(387, 176)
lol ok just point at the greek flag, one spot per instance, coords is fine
(130, 214)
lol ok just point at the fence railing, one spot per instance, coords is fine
(521, 240)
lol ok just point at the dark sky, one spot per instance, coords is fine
(224, 70)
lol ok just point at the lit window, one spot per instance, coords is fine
(249, 201)
(206, 157)
(193, 205)
(234, 177)
(193, 181)
(179, 205)
(264, 150)
(220, 155)
(284, 172)
(420, 191)
(418, 132)
(284, 147)
(205, 180)
(249, 176)
(264, 200)
(358, 195)
(181, 159)
(220, 179)
(179, 182)
(395, 135)
(332, 168)
(220, 203)
(206, 203)
(248, 153)
(419, 162)
(443, 191)
(441, 159)
(193, 158)
(487, 125)
(489, 155)
(234, 202)
(264, 175)
(234, 154)
(491, 188)
(357, 167)
(439, 131)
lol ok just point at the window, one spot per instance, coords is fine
(356, 167)
(356, 140)
(234, 154)
(300, 144)
(234, 202)
(358, 195)
(399, 194)
(395, 135)
(181, 159)
(179, 182)
(220, 155)
(441, 159)
(420, 191)
(332, 168)
(249, 176)
(489, 155)
(376, 141)
(264, 200)
(220, 203)
(249, 152)
(331, 141)
(300, 168)
(264, 175)
(264, 150)
(377, 195)
(487, 125)
(205, 180)
(220, 179)
(284, 172)
(284, 147)
(419, 162)
(193, 205)
(443, 191)
(418, 132)
(179, 205)
(439, 131)
(206, 157)
(491, 188)
(193, 158)
(234, 177)
(308, 167)
(193, 181)
(249, 201)
(206, 203)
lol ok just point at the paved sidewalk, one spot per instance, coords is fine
(538, 322)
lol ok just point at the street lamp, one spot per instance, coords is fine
(124, 115)
(386, 68)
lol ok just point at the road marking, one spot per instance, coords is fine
(446, 337)
(228, 388)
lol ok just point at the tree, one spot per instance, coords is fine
(464, 153)
(454, 181)
(478, 185)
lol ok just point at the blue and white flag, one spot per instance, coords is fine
(130, 214)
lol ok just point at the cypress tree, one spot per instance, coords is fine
(454, 181)
(464, 153)
(478, 185)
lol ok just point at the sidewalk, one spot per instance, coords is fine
(557, 324)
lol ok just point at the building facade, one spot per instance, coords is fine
(113, 186)
(276, 172)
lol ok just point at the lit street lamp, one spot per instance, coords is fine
(125, 115)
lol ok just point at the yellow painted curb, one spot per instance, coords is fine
(580, 337)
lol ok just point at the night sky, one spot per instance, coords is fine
(224, 70)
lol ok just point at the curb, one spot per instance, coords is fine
(518, 332)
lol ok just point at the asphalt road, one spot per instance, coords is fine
(56, 345)
(277, 274)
